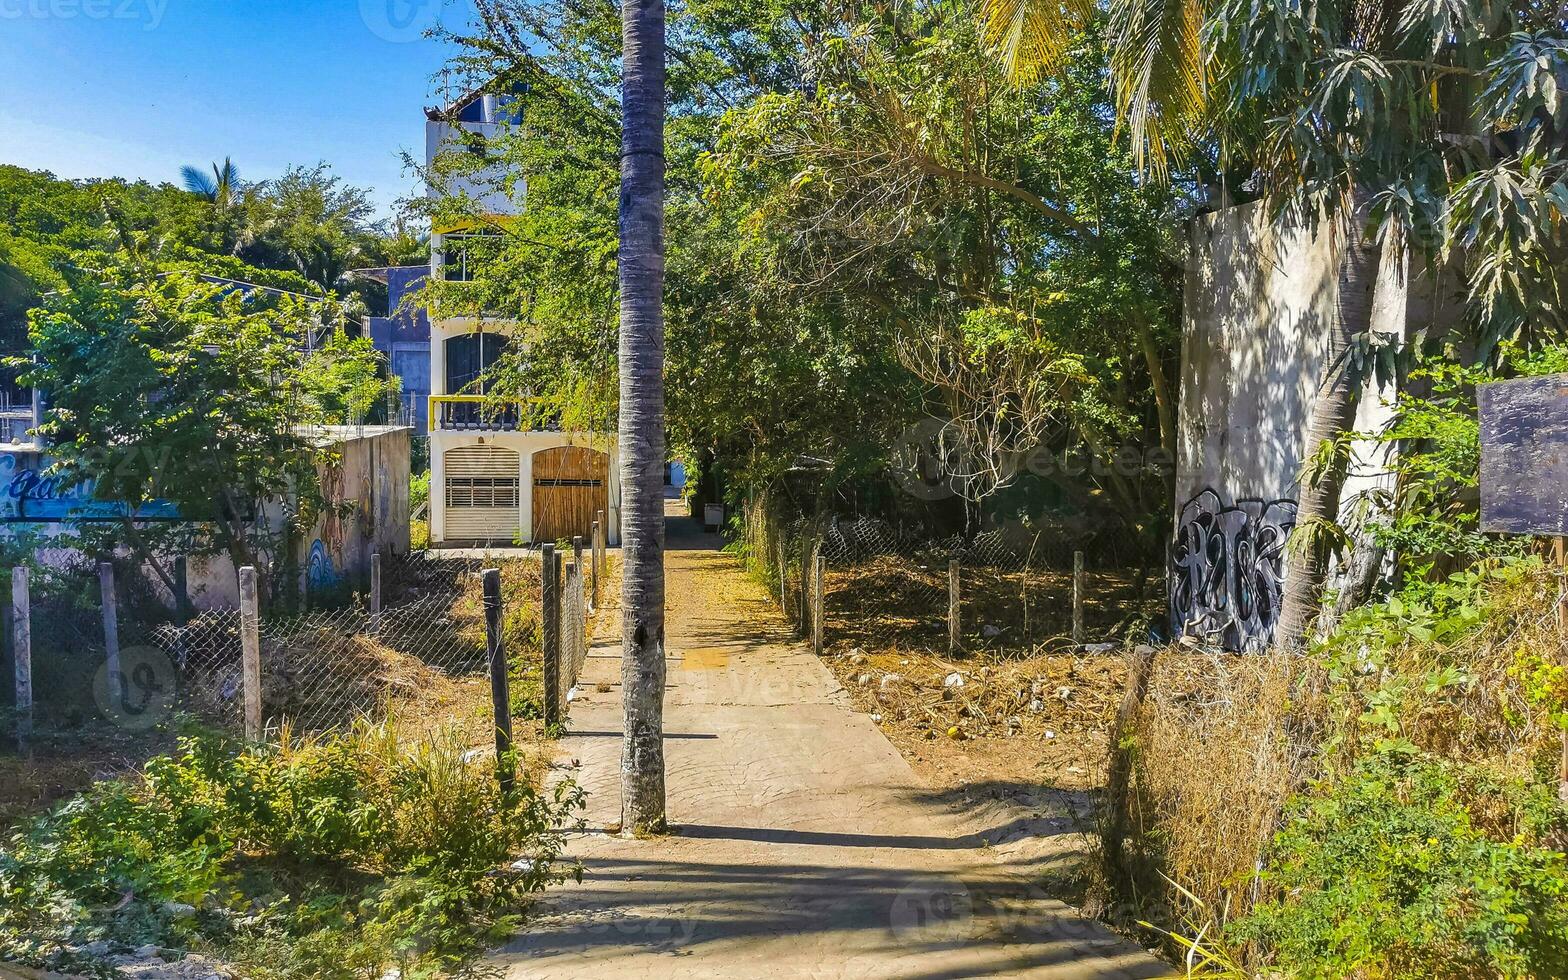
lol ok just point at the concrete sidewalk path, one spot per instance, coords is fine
(804, 845)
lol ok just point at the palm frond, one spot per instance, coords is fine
(198, 181)
(1160, 75)
(1032, 37)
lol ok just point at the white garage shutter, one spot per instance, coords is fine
(483, 500)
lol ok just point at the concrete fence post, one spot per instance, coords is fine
(954, 607)
(22, 654)
(550, 627)
(819, 612)
(500, 692)
(250, 652)
(1078, 585)
(111, 623)
(375, 593)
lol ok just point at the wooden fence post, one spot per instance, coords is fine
(1560, 550)
(500, 693)
(550, 627)
(375, 593)
(783, 578)
(601, 555)
(954, 608)
(819, 613)
(1077, 597)
(581, 614)
(593, 565)
(571, 631)
(1118, 781)
(182, 592)
(111, 623)
(22, 655)
(250, 647)
(805, 586)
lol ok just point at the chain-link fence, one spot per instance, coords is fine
(863, 582)
(412, 643)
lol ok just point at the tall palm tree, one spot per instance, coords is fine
(221, 187)
(641, 425)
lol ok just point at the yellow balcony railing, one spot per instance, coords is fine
(473, 413)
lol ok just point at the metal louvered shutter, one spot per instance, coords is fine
(483, 501)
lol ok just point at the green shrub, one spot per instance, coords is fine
(325, 858)
(1411, 867)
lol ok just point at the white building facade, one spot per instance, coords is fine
(492, 482)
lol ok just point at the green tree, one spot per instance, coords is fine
(164, 387)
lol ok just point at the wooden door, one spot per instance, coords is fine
(569, 490)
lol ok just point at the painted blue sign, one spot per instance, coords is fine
(28, 494)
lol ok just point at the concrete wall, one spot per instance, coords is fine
(365, 485)
(1258, 306)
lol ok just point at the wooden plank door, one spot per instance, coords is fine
(569, 489)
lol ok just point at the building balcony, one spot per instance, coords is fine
(473, 413)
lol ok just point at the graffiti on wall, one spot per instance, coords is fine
(1227, 569)
(318, 568)
(30, 493)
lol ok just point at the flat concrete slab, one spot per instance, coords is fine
(804, 845)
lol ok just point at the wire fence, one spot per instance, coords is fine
(411, 642)
(860, 582)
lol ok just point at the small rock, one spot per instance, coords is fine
(146, 952)
(863, 680)
(990, 631)
(1049, 733)
(955, 679)
(890, 681)
(876, 719)
(1098, 647)
(1037, 706)
(178, 910)
(99, 948)
(1065, 693)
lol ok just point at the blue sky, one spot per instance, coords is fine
(136, 88)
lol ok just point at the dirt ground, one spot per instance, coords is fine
(984, 725)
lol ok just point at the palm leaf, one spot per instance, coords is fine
(199, 182)
(1032, 37)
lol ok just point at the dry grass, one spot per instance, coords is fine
(1217, 746)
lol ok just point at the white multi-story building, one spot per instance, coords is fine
(491, 481)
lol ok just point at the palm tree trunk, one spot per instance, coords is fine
(1333, 415)
(642, 415)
